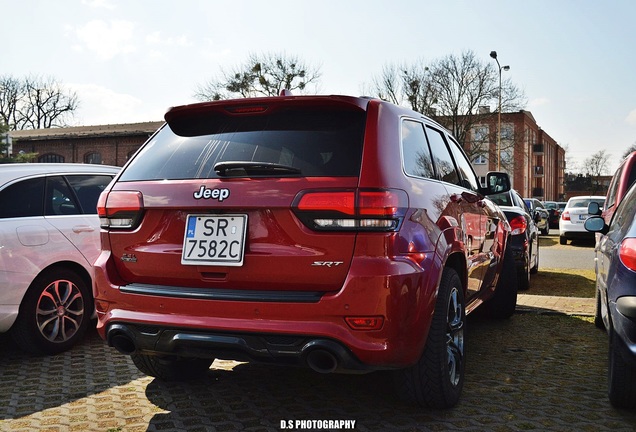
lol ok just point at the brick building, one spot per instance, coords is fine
(535, 162)
(106, 144)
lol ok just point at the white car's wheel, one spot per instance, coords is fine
(54, 313)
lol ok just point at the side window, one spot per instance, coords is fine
(22, 199)
(468, 177)
(59, 198)
(87, 188)
(416, 155)
(441, 156)
(613, 187)
(519, 202)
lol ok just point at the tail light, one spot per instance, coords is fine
(518, 225)
(352, 210)
(627, 253)
(120, 209)
(565, 215)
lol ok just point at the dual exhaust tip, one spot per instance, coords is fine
(317, 354)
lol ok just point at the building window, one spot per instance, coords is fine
(51, 158)
(480, 160)
(480, 144)
(93, 158)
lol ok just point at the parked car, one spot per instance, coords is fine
(539, 214)
(50, 239)
(554, 213)
(524, 238)
(574, 216)
(323, 231)
(616, 295)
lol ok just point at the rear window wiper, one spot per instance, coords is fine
(253, 168)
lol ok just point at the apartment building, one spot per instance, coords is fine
(535, 162)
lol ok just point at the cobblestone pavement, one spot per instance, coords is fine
(535, 371)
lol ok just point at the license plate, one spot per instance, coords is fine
(214, 240)
(583, 217)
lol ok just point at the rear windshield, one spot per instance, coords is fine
(313, 142)
(584, 202)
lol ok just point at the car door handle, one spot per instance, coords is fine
(83, 228)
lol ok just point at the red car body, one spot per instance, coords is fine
(339, 270)
(621, 181)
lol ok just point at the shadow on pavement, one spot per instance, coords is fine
(29, 383)
(529, 372)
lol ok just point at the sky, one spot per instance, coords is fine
(130, 60)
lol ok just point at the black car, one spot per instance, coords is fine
(554, 212)
(539, 214)
(524, 239)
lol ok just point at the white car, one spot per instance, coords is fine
(49, 240)
(573, 217)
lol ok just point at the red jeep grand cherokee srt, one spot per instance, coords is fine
(340, 233)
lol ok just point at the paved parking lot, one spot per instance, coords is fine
(543, 369)
(532, 372)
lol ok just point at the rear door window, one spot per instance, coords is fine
(441, 156)
(315, 142)
(59, 198)
(468, 177)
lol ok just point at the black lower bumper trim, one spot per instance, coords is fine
(223, 294)
(262, 348)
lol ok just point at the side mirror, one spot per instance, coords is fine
(594, 209)
(496, 182)
(596, 224)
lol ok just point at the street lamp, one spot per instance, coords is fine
(493, 54)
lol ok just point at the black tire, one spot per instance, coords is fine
(535, 268)
(54, 314)
(563, 240)
(621, 377)
(171, 368)
(598, 320)
(503, 303)
(545, 231)
(436, 380)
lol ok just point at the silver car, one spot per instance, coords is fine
(49, 240)
(573, 217)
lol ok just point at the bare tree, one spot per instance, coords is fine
(11, 91)
(35, 103)
(46, 104)
(457, 91)
(261, 75)
(465, 89)
(630, 150)
(409, 85)
(596, 166)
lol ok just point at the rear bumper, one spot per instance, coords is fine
(577, 235)
(623, 314)
(518, 245)
(162, 322)
(322, 355)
